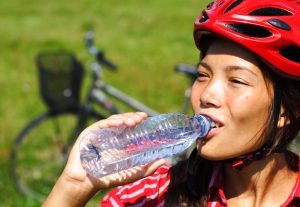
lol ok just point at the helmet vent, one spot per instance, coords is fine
(221, 3)
(249, 30)
(291, 53)
(270, 11)
(204, 17)
(210, 5)
(279, 24)
(234, 4)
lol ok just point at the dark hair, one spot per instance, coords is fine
(189, 182)
(190, 178)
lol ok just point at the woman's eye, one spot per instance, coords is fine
(201, 76)
(238, 81)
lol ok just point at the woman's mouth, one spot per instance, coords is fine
(216, 126)
(214, 130)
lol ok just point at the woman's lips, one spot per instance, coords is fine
(213, 132)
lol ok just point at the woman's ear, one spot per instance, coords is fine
(283, 120)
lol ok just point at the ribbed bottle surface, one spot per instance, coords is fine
(110, 150)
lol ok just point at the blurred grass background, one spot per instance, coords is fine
(144, 38)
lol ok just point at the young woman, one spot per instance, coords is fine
(249, 85)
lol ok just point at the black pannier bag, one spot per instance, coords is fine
(60, 76)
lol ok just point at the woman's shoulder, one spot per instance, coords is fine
(150, 190)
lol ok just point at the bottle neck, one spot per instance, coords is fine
(201, 124)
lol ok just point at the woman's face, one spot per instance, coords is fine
(232, 91)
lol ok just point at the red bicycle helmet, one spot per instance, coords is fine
(269, 28)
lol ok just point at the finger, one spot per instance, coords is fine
(121, 120)
(153, 166)
(140, 116)
(132, 119)
(129, 119)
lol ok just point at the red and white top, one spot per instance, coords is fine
(151, 191)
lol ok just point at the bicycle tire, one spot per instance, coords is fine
(40, 151)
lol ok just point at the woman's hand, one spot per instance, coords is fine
(75, 186)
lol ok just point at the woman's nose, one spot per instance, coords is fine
(211, 95)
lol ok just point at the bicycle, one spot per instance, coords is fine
(40, 150)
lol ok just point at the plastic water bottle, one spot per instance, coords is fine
(110, 150)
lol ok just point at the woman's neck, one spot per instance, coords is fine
(263, 182)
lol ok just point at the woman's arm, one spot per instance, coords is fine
(75, 187)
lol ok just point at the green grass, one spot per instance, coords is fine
(144, 38)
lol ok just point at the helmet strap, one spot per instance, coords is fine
(243, 162)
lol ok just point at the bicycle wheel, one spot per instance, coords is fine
(40, 151)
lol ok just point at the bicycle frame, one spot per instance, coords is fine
(98, 94)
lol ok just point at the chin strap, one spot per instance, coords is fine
(242, 162)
